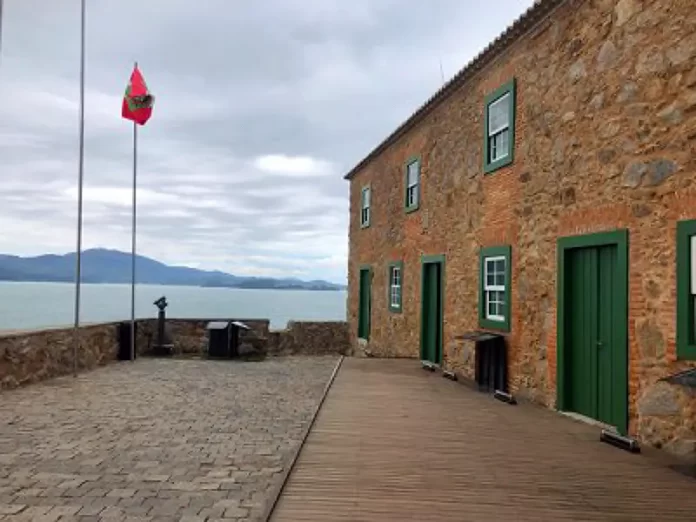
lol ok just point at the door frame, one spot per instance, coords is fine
(438, 259)
(618, 238)
(368, 269)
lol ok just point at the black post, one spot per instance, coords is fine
(161, 346)
(160, 327)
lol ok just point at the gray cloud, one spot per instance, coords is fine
(260, 109)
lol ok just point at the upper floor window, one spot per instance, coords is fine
(686, 289)
(500, 128)
(365, 207)
(412, 200)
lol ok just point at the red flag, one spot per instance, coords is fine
(138, 101)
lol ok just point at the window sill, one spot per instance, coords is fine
(409, 210)
(501, 326)
(489, 168)
(395, 310)
(365, 225)
(686, 352)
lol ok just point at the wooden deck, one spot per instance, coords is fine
(393, 442)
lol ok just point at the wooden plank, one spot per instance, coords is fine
(393, 442)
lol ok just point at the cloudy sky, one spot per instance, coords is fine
(261, 107)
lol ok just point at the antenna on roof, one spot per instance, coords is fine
(442, 72)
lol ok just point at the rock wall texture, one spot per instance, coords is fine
(190, 336)
(310, 338)
(30, 357)
(605, 139)
(35, 356)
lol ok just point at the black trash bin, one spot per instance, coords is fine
(218, 339)
(124, 341)
(235, 337)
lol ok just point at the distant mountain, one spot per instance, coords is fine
(112, 266)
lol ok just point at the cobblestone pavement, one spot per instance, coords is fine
(158, 440)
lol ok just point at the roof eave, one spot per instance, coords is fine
(529, 19)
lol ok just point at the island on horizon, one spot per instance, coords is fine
(104, 266)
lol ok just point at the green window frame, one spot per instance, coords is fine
(365, 206)
(395, 286)
(412, 184)
(686, 289)
(499, 127)
(494, 287)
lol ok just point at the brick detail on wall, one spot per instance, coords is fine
(605, 139)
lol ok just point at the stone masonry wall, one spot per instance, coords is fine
(34, 356)
(31, 357)
(190, 336)
(310, 338)
(605, 139)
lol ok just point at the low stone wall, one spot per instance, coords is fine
(29, 357)
(190, 336)
(33, 356)
(310, 338)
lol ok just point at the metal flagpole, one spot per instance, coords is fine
(80, 176)
(135, 171)
(2, 3)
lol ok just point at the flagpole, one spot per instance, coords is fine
(2, 3)
(135, 171)
(80, 177)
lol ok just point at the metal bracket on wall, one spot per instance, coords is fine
(619, 441)
(447, 374)
(427, 365)
(504, 397)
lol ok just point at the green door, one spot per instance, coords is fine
(596, 387)
(364, 303)
(431, 320)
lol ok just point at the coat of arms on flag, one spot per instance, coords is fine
(138, 101)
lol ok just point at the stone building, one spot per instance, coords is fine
(547, 193)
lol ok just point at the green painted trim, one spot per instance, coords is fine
(565, 244)
(686, 336)
(365, 268)
(362, 200)
(437, 258)
(496, 251)
(400, 266)
(509, 87)
(425, 260)
(416, 205)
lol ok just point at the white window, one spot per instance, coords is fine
(499, 128)
(395, 287)
(494, 288)
(365, 207)
(412, 184)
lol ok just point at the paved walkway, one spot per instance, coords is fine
(158, 440)
(395, 443)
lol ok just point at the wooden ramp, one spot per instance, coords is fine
(393, 443)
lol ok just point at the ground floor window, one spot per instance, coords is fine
(395, 286)
(494, 295)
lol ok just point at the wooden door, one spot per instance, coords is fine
(596, 389)
(364, 303)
